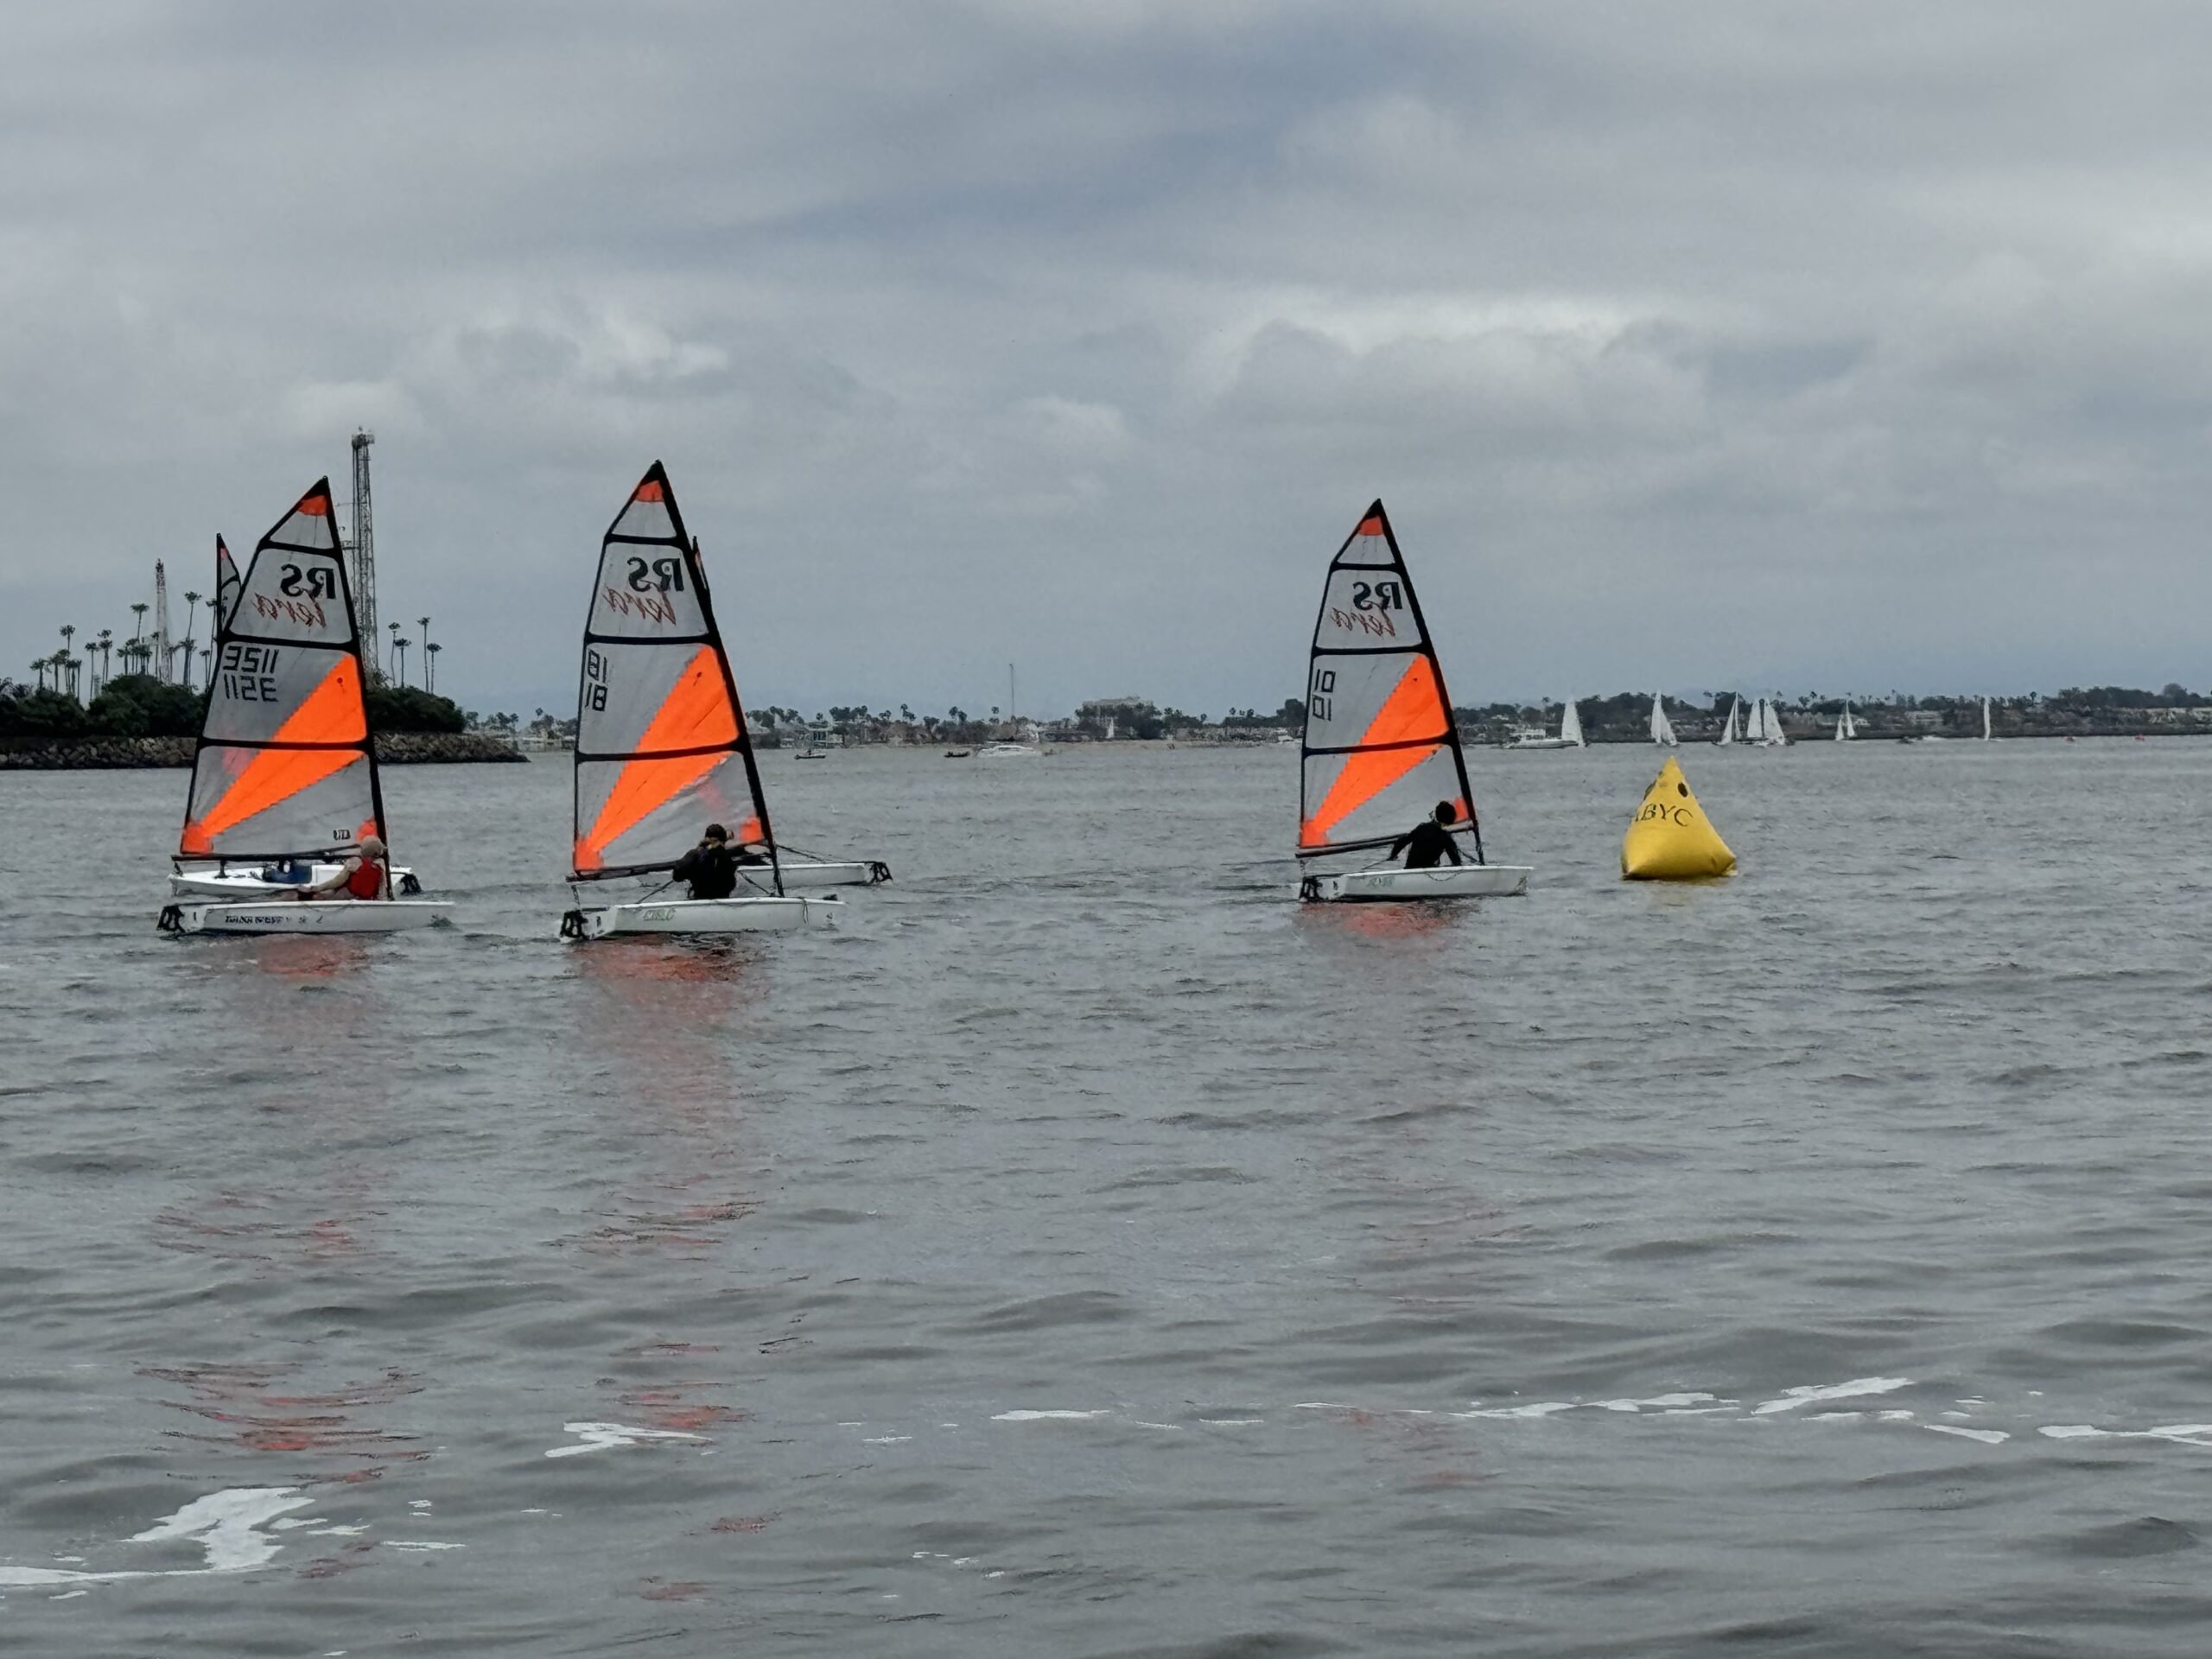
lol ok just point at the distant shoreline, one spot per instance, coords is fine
(143, 753)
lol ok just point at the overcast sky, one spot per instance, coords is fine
(1734, 344)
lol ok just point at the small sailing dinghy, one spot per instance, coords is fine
(1663, 729)
(1381, 747)
(285, 773)
(662, 750)
(1845, 728)
(1984, 720)
(223, 879)
(1728, 726)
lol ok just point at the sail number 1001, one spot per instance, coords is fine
(1320, 696)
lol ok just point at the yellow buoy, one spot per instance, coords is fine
(1668, 839)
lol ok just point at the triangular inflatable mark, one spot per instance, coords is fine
(1669, 839)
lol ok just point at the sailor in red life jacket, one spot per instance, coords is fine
(364, 875)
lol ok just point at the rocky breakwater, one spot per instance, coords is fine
(94, 753)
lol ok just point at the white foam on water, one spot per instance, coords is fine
(418, 1543)
(886, 1440)
(2180, 1433)
(1814, 1393)
(1232, 1422)
(1678, 1402)
(225, 1525)
(1048, 1416)
(1987, 1436)
(599, 1437)
(1538, 1408)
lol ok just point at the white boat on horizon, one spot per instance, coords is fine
(1570, 732)
(1663, 729)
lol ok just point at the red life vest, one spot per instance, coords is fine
(367, 881)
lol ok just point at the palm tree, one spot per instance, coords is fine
(430, 650)
(40, 665)
(191, 621)
(395, 639)
(399, 650)
(139, 610)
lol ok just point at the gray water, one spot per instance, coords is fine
(1084, 1250)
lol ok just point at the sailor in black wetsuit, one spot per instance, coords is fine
(710, 868)
(1429, 843)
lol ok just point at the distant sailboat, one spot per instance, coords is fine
(1381, 749)
(1984, 720)
(1570, 733)
(1663, 729)
(1765, 727)
(1845, 726)
(227, 585)
(1728, 726)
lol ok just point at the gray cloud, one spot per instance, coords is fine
(1764, 344)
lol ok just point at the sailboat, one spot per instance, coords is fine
(1764, 728)
(1984, 720)
(227, 585)
(1028, 750)
(1570, 732)
(1380, 748)
(1728, 726)
(219, 879)
(661, 745)
(285, 773)
(1845, 726)
(1663, 729)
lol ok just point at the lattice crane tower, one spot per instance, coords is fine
(365, 557)
(161, 623)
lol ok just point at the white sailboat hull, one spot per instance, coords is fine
(305, 916)
(850, 872)
(246, 882)
(1543, 743)
(1398, 886)
(694, 916)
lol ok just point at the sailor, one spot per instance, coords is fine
(711, 867)
(364, 875)
(1429, 843)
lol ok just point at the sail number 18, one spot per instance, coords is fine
(1320, 696)
(594, 680)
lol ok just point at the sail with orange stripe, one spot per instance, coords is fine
(285, 768)
(662, 750)
(1381, 747)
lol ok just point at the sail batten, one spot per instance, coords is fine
(1381, 747)
(285, 767)
(661, 748)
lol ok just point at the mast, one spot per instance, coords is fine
(365, 558)
(160, 622)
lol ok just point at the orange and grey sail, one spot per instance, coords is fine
(661, 745)
(1381, 746)
(283, 769)
(227, 585)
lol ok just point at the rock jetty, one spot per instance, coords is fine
(94, 753)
